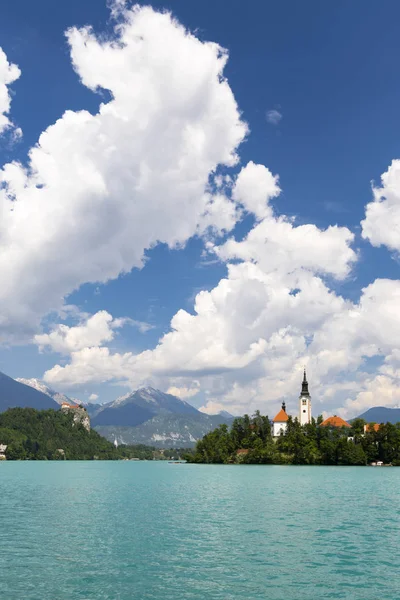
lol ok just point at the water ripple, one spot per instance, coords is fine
(153, 531)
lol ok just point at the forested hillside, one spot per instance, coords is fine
(52, 435)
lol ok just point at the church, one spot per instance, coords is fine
(279, 423)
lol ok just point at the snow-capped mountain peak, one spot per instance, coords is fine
(37, 384)
(154, 400)
(40, 386)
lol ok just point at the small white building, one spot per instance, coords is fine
(3, 448)
(279, 423)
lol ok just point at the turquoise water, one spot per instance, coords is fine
(158, 531)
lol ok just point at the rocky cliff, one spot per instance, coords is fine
(80, 414)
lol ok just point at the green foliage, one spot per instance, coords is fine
(139, 451)
(41, 434)
(309, 444)
(216, 447)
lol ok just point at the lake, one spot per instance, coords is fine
(159, 531)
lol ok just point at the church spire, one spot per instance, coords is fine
(304, 402)
(304, 385)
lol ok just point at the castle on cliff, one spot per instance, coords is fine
(79, 413)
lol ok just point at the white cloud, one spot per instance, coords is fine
(369, 328)
(212, 408)
(100, 189)
(94, 331)
(8, 74)
(377, 390)
(142, 326)
(91, 365)
(93, 397)
(381, 225)
(276, 245)
(184, 392)
(254, 187)
(274, 116)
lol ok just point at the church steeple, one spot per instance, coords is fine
(304, 385)
(305, 402)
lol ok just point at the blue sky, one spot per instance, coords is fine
(330, 70)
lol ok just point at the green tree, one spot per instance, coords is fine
(16, 451)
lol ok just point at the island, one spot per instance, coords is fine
(333, 441)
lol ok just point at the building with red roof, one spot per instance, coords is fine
(371, 427)
(242, 452)
(279, 423)
(335, 421)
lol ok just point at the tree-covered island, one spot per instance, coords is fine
(249, 441)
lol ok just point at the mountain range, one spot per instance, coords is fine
(171, 430)
(145, 416)
(42, 387)
(149, 416)
(138, 407)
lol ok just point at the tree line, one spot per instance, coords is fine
(249, 441)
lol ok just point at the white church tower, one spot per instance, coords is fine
(305, 402)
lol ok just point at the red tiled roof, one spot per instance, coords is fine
(335, 422)
(281, 417)
(372, 427)
(66, 405)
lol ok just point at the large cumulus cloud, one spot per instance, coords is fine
(98, 190)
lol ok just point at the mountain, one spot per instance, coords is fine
(164, 430)
(224, 413)
(151, 417)
(42, 387)
(149, 398)
(381, 414)
(138, 407)
(14, 393)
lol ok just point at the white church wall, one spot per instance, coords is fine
(277, 428)
(304, 410)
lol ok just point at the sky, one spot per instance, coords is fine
(202, 200)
